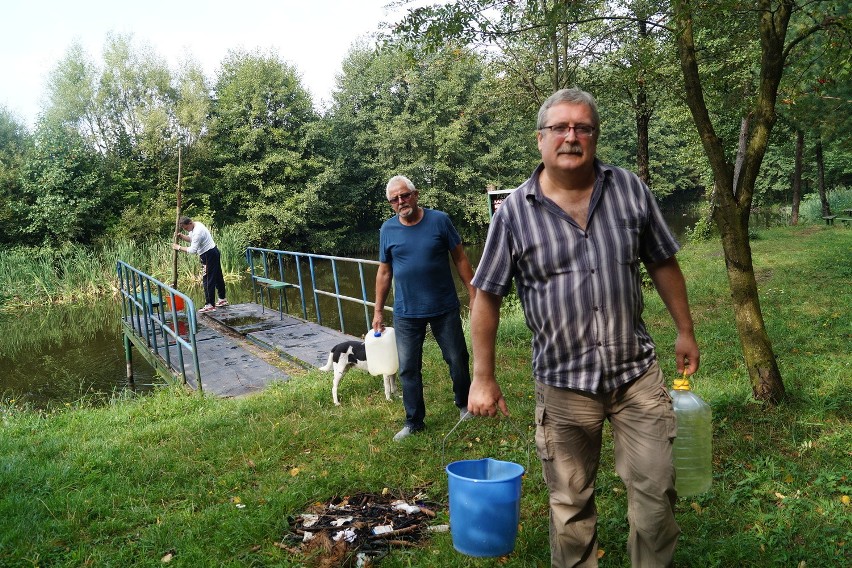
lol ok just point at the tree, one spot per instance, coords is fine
(14, 145)
(436, 116)
(62, 189)
(735, 183)
(258, 149)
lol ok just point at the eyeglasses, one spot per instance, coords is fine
(562, 130)
(401, 197)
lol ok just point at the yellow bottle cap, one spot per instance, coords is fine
(682, 383)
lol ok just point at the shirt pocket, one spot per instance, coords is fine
(626, 241)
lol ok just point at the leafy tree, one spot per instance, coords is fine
(767, 24)
(126, 111)
(435, 116)
(14, 144)
(258, 149)
(62, 189)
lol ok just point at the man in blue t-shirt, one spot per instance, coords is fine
(413, 247)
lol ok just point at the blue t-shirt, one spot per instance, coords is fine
(422, 280)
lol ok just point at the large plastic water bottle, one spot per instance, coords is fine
(693, 446)
(382, 357)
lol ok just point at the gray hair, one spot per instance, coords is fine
(574, 95)
(395, 180)
(184, 221)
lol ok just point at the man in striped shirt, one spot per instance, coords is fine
(572, 238)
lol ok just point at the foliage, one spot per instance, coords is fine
(258, 152)
(435, 117)
(63, 193)
(214, 481)
(14, 146)
(838, 200)
(36, 276)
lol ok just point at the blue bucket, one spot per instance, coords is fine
(485, 506)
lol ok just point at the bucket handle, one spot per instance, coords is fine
(520, 433)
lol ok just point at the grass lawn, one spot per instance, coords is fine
(186, 480)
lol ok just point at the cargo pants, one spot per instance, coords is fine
(569, 425)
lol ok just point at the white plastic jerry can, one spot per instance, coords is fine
(382, 357)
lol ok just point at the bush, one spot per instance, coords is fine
(810, 209)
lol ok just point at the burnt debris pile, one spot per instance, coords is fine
(358, 530)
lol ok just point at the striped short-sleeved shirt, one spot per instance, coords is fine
(580, 289)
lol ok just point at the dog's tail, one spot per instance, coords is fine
(330, 364)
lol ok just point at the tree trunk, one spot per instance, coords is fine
(823, 199)
(797, 177)
(735, 194)
(763, 369)
(643, 119)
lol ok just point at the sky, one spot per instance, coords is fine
(312, 35)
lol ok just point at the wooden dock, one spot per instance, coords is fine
(242, 348)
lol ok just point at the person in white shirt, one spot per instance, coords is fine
(201, 243)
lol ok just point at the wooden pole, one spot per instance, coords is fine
(177, 226)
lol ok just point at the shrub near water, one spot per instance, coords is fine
(211, 482)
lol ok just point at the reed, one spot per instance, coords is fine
(38, 276)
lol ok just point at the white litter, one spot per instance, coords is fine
(348, 535)
(307, 536)
(383, 529)
(403, 506)
(439, 528)
(309, 520)
(341, 521)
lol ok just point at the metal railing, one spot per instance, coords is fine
(282, 270)
(151, 319)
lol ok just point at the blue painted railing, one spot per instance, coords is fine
(282, 270)
(151, 318)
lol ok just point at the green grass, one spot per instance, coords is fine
(124, 484)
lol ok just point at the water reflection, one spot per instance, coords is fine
(64, 353)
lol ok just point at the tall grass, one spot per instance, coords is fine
(839, 199)
(35, 276)
(214, 481)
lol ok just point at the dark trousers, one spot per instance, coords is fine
(410, 334)
(212, 278)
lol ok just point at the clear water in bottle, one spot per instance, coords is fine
(693, 446)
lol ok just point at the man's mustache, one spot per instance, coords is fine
(570, 148)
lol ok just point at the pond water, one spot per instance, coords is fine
(61, 354)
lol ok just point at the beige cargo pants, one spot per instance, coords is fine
(568, 442)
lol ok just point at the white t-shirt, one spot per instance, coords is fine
(200, 239)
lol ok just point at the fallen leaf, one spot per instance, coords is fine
(845, 499)
(601, 553)
(294, 472)
(250, 463)
(788, 479)
(236, 499)
(696, 507)
(780, 495)
(168, 556)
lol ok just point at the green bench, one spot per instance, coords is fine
(844, 219)
(270, 284)
(829, 219)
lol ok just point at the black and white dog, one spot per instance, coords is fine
(352, 354)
